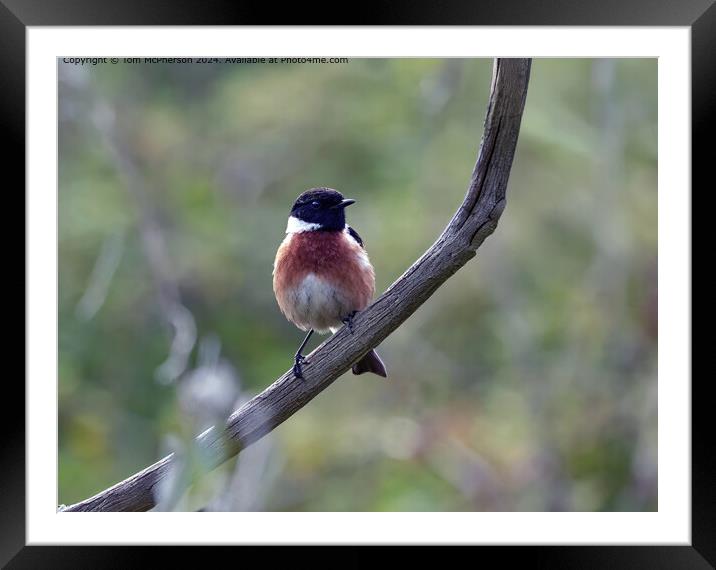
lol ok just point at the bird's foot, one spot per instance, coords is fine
(348, 321)
(298, 361)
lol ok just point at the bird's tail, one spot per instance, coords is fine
(371, 362)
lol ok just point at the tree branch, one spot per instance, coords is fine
(475, 219)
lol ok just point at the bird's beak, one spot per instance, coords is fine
(344, 203)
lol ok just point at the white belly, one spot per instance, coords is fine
(316, 304)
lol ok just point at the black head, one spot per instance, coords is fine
(322, 206)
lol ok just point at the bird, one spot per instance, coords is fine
(321, 274)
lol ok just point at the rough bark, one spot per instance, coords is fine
(475, 219)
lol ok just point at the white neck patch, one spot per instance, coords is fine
(296, 226)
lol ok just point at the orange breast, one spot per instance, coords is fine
(332, 257)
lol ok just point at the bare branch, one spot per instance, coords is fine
(475, 219)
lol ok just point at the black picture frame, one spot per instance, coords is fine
(699, 15)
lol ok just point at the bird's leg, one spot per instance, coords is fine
(299, 359)
(348, 321)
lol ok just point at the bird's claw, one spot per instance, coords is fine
(297, 371)
(348, 321)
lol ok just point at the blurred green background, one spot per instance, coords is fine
(528, 382)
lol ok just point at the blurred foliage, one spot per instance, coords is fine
(527, 382)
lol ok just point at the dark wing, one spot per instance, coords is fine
(354, 235)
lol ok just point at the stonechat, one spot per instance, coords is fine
(322, 275)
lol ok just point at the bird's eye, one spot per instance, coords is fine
(315, 204)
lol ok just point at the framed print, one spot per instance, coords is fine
(191, 175)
